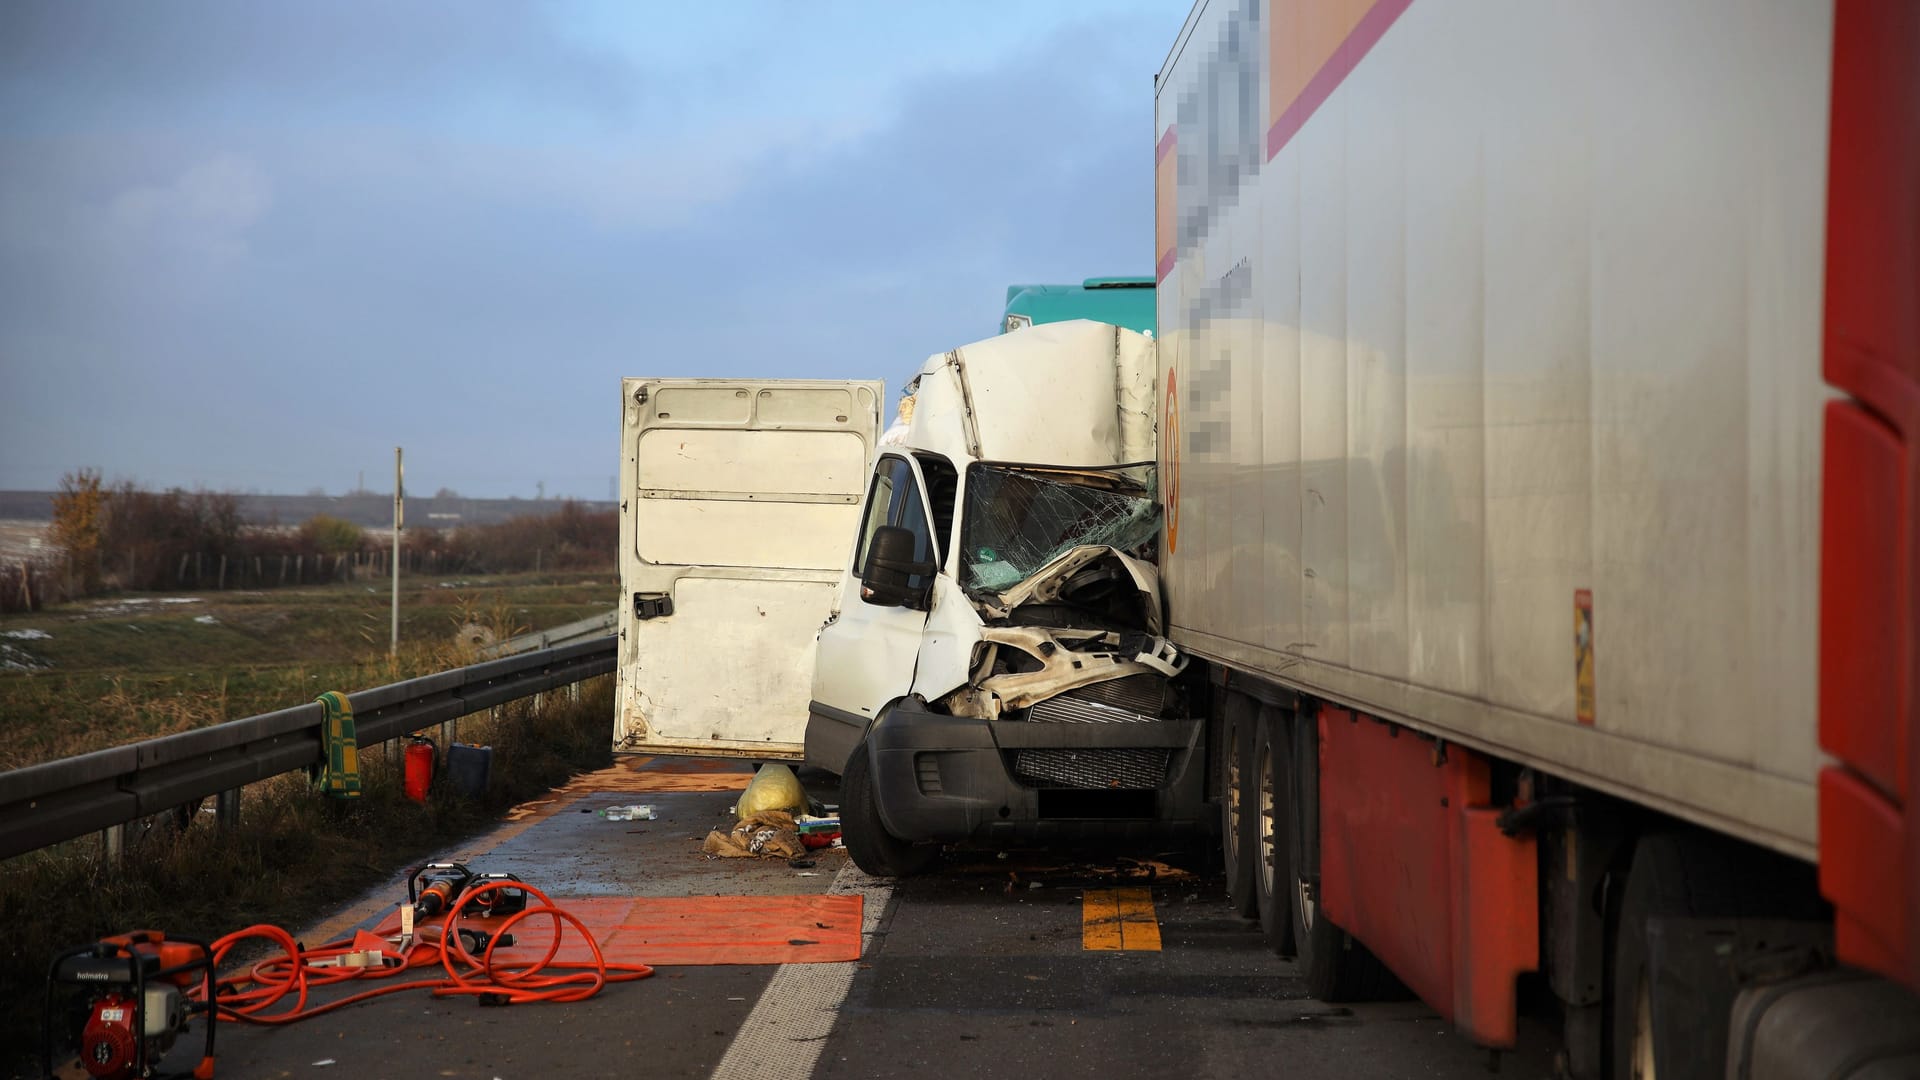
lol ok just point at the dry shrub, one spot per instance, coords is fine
(147, 534)
(335, 536)
(570, 538)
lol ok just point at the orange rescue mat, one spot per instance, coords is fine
(275, 991)
(669, 931)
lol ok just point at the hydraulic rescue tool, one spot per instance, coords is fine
(433, 887)
(505, 900)
(136, 1002)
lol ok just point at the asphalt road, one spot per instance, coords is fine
(981, 968)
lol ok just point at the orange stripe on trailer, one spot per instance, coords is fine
(1166, 173)
(1413, 863)
(1870, 563)
(1312, 46)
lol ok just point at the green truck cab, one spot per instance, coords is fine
(1122, 301)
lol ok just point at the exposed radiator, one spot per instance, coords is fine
(1131, 767)
(1144, 693)
(1067, 709)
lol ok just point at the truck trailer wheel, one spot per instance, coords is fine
(872, 847)
(1271, 765)
(1686, 875)
(1337, 967)
(1238, 718)
(1656, 887)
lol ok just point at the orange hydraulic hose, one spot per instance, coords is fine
(253, 996)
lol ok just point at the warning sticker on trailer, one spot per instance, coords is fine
(1583, 655)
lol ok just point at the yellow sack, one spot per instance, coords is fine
(774, 787)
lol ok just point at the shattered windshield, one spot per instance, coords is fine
(1018, 520)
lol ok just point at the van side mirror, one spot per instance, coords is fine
(890, 566)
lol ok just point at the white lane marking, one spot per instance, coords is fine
(782, 1037)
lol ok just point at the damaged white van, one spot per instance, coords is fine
(994, 672)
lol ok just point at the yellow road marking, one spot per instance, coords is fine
(1114, 919)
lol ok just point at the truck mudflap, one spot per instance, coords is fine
(958, 779)
(1413, 863)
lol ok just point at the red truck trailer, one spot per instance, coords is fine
(1540, 399)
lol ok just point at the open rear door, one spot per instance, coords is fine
(739, 501)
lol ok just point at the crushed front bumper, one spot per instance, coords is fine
(1005, 782)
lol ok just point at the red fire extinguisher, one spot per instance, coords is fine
(419, 768)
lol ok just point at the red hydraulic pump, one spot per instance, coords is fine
(132, 989)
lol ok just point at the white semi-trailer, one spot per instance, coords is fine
(1539, 395)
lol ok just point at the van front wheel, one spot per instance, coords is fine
(872, 847)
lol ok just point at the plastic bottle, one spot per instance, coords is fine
(626, 813)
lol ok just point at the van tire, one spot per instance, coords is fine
(873, 848)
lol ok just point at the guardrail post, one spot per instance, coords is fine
(113, 842)
(226, 809)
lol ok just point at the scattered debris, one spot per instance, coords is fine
(206, 620)
(770, 834)
(636, 812)
(818, 832)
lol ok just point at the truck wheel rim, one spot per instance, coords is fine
(1234, 809)
(1265, 823)
(1303, 894)
(1642, 1062)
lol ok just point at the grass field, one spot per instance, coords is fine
(102, 672)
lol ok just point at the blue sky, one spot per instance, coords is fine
(253, 246)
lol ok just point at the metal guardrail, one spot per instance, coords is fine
(60, 800)
(591, 627)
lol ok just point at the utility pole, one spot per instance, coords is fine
(399, 522)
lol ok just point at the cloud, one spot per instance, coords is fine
(208, 209)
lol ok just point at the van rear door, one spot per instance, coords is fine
(739, 502)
